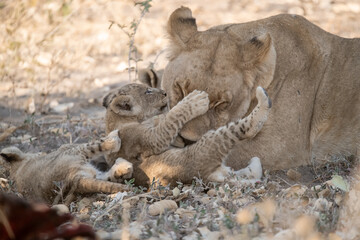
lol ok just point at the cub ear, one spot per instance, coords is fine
(181, 26)
(124, 105)
(12, 154)
(254, 51)
(151, 77)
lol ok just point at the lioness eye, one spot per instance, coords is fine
(148, 91)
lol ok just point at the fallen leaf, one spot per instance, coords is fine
(339, 182)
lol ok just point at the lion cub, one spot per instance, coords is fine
(146, 134)
(35, 174)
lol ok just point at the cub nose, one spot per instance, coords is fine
(163, 93)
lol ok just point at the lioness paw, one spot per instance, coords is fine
(111, 142)
(121, 170)
(263, 98)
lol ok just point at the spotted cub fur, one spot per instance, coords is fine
(146, 140)
(35, 174)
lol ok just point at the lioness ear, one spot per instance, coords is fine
(181, 26)
(254, 51)
(124, 105)
(150, 78)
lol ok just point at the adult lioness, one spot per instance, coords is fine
(311, 75)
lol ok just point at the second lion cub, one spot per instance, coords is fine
(146, 134)
(35, 174)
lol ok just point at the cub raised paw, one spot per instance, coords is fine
(197, 101)
(121, 170)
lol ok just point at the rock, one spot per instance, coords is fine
(211, 192)
(61, 208)
(160, 207)
(176, 192)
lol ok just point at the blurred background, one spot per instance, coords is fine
(60, 56)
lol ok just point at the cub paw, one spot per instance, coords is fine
(263, 98)
(121, 170)
(111, 142)
(199, 101)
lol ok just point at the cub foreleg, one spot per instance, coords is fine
(162, 135)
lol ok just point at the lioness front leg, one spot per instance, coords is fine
(193, 105)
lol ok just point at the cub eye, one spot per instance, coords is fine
(148, 91)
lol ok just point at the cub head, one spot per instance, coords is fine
(228, 62)
(133, 102)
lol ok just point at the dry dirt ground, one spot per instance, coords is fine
(59, 58)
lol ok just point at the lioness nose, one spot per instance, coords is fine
(164, 93)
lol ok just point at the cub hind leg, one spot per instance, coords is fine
(90, 180)
(92, 185)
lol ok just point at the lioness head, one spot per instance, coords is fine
(133, 102)
(221, 61)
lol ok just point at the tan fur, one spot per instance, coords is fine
(311, 75)
(147, 144)
(69, 165)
